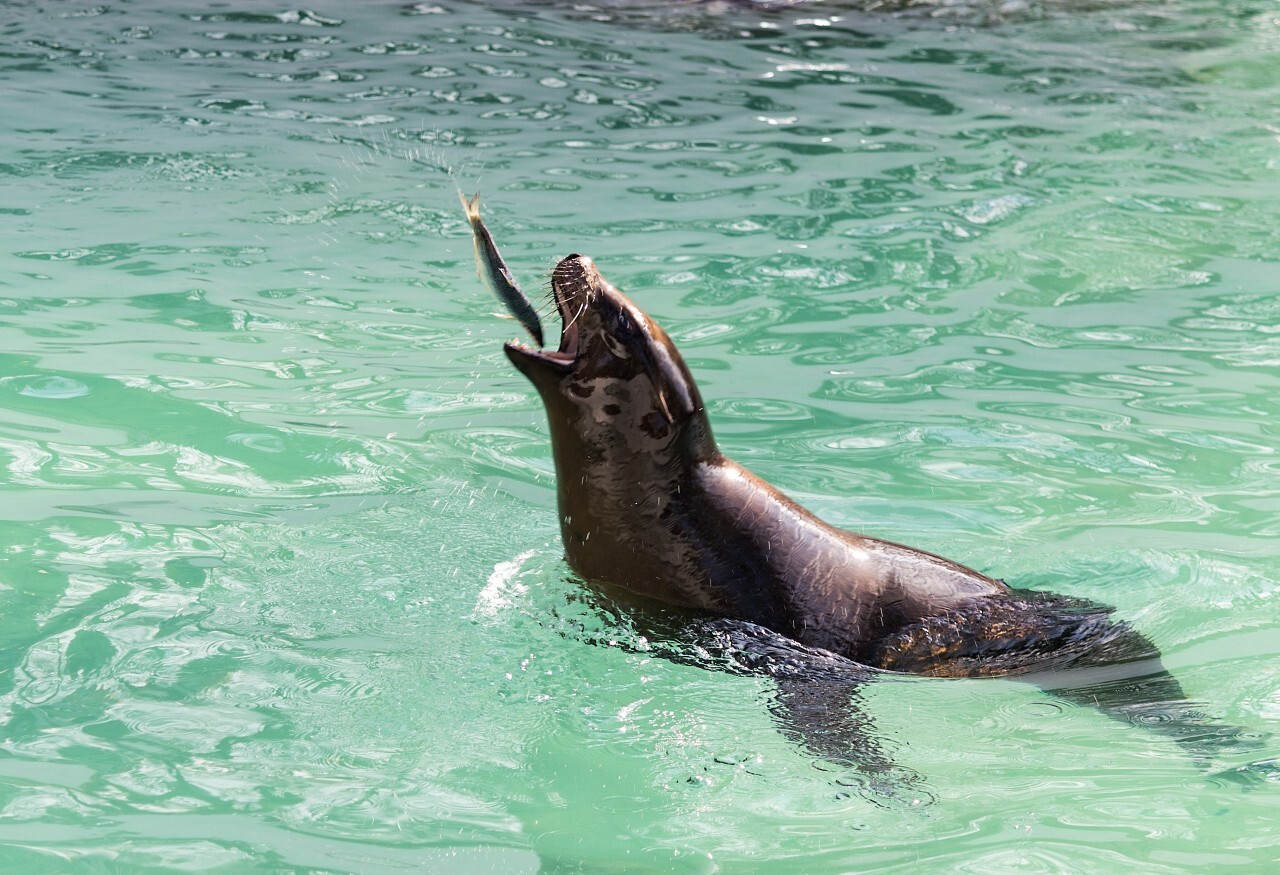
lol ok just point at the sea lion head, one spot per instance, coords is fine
(616, 386)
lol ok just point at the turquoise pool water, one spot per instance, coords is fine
(281, 584)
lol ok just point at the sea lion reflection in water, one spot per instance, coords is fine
(648, 503)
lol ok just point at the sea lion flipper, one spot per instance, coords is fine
(817, 704)
(826, 718)
(1143, 693)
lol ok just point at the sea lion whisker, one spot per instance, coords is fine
(583, 306)
(547, 306)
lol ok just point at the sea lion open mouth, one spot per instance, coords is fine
(612, 358)
(572, 284)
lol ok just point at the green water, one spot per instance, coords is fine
(281, 582)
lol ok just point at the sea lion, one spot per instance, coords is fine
(647, 502)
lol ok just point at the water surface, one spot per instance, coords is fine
(282, 588)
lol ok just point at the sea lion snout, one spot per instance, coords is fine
(574, 277)
(589, 308)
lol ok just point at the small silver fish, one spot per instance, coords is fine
(494, 271)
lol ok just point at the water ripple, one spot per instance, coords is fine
(281, 564)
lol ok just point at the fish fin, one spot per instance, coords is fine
(471, 206)
(511, 280)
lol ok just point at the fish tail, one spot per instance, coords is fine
(471, 206)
